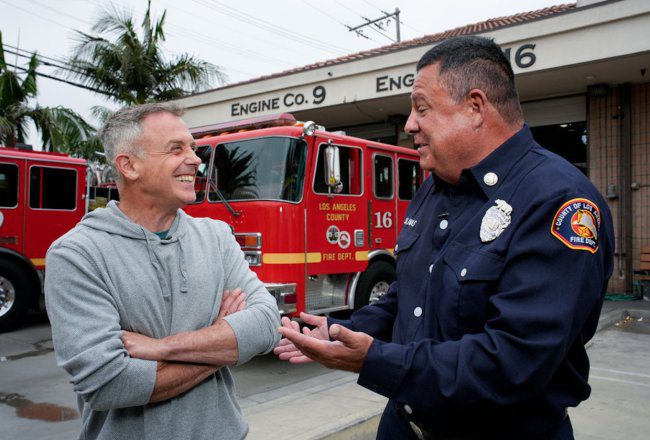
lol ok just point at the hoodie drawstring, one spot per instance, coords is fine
(183, 268)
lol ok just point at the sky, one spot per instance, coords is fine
(246, 39)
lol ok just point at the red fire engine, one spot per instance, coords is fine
(316, 213)
(42, 196)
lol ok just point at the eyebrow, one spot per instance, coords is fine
(417, 96)
(175, 142)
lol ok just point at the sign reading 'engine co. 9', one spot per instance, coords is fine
(289, 101)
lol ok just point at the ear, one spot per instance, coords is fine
(126, 167)
(478, 104)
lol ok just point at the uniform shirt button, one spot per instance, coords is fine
(490, 179)
(408, 409)
(417, 312)
(444, 224)
(431, 268)
(463, 272)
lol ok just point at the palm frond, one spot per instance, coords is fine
(101, 113)
(132, 68)
(3, 64)
(61, 128)
(29, 82)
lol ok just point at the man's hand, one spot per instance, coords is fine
(347, 352)
(286, 350)
(143, 347)
(232, 302)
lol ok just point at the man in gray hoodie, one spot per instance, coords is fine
(145, 301)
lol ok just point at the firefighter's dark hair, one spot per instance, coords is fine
(471, 62)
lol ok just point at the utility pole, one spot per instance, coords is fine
(378, 23)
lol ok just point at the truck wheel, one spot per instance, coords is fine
(14, 291)
(373, 283)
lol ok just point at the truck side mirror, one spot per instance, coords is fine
(332, 166)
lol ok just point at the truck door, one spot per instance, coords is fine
(11, 203)
(54, 206)
(409, 179)
(336, 224)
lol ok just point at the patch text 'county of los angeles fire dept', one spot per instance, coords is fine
(576, 224)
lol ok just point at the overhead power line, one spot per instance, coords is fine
(373, 6)
(33, 14)
(337, 20)
(378, 26)
(377, 23)
(223, 8)
(223, 45)
(56, 11)
(401, 22)
(41, 58)
(175, 30)
(63, 81)
(30, 52)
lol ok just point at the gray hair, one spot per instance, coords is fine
(123, 129)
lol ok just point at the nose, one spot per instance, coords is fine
(411, 125)
(193, 158)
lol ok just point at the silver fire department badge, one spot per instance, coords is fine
(495, 220)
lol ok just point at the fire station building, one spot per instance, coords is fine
(583, 74)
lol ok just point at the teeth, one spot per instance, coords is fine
(185, 178)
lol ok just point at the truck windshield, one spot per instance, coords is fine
(271, 168)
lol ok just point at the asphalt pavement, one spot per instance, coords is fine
(309, 402)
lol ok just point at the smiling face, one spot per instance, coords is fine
(442, 128)
(165, 174)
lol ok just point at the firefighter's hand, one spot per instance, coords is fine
(232, 302)
(143, 347)
(347, 351)
(286, 350)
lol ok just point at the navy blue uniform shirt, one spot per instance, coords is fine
(485, 336)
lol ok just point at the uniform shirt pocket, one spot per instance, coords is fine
(476, 273)
(405, 241)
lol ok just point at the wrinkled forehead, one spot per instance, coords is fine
(426, 79)
(160, 132)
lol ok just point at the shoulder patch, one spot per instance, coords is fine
(576, 224)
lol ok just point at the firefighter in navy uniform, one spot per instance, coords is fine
(502, 265)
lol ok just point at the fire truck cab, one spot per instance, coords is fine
(42, 196)
(316, 213)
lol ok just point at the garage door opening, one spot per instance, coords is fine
(567, 140)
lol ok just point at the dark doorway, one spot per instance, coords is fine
(567, 140)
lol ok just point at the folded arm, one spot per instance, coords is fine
(215, 345)
(173, 379)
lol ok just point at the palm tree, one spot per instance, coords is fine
(61, 128)
(132, 69)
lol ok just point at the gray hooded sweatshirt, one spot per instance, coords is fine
(109, 274)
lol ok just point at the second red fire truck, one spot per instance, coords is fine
(42, 196)
(316, 213)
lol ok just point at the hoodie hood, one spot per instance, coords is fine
(113, 221)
